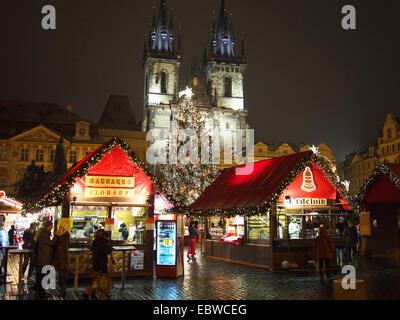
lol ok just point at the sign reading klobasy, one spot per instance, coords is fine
(108, 187)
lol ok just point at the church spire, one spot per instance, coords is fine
(223, 39)
(161, 39)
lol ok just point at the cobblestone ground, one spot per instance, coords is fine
(211, 280)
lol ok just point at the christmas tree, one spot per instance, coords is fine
(186, 180)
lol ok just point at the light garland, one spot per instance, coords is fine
(263, 209)
(379, 170)
(59, 190)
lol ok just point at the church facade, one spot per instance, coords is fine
(217, 82)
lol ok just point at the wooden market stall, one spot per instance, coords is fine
(110, 189)
(272, 213)
(379, 198)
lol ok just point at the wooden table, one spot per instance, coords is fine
(7, 248)
(77, 251)
(21, 253)
(124, 249)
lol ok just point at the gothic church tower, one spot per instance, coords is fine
(161, 62)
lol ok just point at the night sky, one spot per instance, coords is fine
(308, 80)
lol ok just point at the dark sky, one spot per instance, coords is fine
(307, 81)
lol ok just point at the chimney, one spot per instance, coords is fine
(69, 107)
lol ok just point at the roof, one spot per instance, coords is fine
(262, 186)
(118, 114)
(383, 185)
(19, 116)
(54, 194)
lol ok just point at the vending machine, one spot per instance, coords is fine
(169, 245)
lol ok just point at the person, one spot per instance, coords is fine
(61, 261)
(193, 234)
(350, 234)
(340, 258)
(29, 243)
(11, 236)
(101, 248)
(45, 254)
(123, 232)
(294, 229)
(324, 249)
(3, 243)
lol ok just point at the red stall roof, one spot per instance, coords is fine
(118, 153)
(383, 185)
(264, 184)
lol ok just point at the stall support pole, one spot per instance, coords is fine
(20, 258)
(76, 274)
(123, 270)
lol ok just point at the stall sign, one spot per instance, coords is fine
(365, 224)
(150, 223)
(110, 182)
(109, 187)
(137, 259)
(67, 223)
(306, 202)
(109, 225)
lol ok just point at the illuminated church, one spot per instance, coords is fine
(217, 81)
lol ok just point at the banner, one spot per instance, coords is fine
(112, 182)
(108, 192)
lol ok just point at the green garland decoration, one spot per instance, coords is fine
(59, 191)
(379, 170)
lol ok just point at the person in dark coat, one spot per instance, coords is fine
(101, 248)
(61, 261)
(11, 236)
(45, 254)
(350, 235)
(324, 249)
(340, 248)
(29, 244)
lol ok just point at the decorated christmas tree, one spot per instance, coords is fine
(186, 180)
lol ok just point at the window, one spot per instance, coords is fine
(72, 156)
(383, 150)
(82, 131)
(3, 153)
(227, 125)
(24, 155)
(398, 146)
(39, 155)
(164, 79)
(258, 229)
(387, 149)
(52, 155)
(228, 86)
(260, 150)
(393, 148)
(389, 133)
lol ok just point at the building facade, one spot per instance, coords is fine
(31, 131)
(358, 166)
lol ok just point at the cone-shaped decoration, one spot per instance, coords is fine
(308, 181)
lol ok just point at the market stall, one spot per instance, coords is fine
(379, 198)
(10, 214)
(112, 190)
(272, 213)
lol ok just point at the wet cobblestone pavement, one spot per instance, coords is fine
(212, 280)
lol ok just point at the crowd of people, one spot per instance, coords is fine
(346, 253)
(45, 250)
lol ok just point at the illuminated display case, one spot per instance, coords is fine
(86, 220)
(166, 243)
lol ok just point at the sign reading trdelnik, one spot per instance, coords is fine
(307, 202)
(105, 186)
